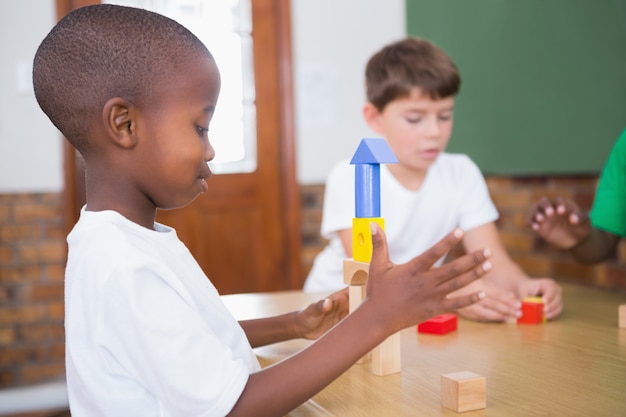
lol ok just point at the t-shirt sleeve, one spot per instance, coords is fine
(339, 203)
(476, 207)
(609, 207)
(148, 330)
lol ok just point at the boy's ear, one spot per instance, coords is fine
(372, 117)
(118, 120)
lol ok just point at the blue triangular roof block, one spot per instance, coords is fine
(373, 151)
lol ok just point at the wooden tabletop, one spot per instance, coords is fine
(573, 366)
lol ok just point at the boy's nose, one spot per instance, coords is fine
(433, 128)
(209, 152)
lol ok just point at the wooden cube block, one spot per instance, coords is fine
(622, 316)
(532, 311)
(442, 324)
(463, 391)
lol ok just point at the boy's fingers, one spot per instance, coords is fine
(432, 255)
(325, 305)
(538, 211)
(463, 271)
(543, 204)
(467, 262)
(500, 307)
(456, 303)
(380, 251)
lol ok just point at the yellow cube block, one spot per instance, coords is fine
(362, 237)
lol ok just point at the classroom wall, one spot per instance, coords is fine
(30, 148)
(331, 43)
(543, 81)
(32, 235)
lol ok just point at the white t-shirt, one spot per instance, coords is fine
(453, 194)
(146, 332)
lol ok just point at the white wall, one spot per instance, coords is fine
(30, 146)
(332, 41)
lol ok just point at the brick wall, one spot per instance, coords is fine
(513, 198)
(32, 259)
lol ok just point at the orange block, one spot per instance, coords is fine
(532, 311)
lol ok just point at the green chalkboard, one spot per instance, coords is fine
(543, 81)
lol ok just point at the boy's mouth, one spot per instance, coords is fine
(430, 153)
(204, 185)
(203, 177)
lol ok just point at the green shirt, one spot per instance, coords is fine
(609, 207)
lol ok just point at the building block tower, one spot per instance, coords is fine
(385, 359)
(366, 160)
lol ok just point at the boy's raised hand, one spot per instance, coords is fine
(416, 288)
(559, 222)
(425, 289)
(398, 296)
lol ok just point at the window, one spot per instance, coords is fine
(225, 27)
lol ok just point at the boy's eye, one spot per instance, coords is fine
(202, 131)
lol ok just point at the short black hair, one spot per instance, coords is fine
(98, 52)
(411, 62)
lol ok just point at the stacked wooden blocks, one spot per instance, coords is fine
(385, 358)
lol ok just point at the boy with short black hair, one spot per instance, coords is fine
(146, 332)
(411, 85)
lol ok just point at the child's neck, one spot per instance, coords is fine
(411, 179)
(105, 195)
(142, 218)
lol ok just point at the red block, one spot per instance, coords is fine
(532, 313)
(442, 324)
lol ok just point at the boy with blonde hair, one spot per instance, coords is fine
(411, 87)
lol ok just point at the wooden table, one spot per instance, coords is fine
(574, 366)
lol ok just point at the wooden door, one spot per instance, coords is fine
(244, 231)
